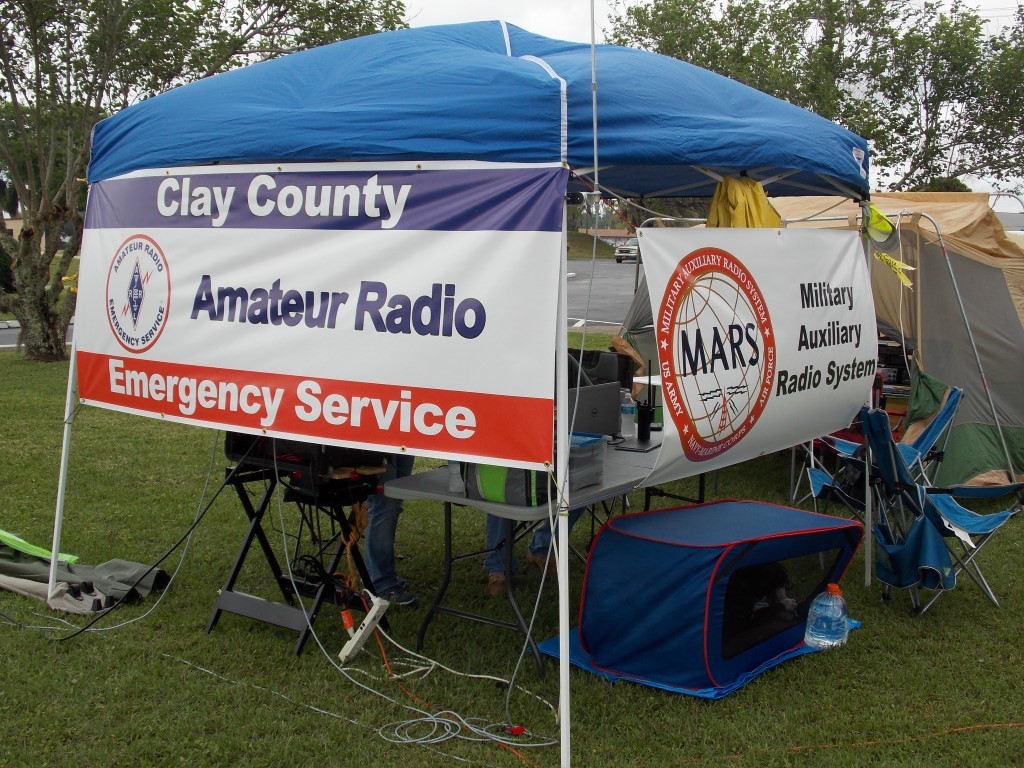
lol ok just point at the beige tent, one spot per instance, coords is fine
(984, 271)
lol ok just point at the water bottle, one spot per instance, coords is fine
(627, 411)
(826, 619)
(455, 482)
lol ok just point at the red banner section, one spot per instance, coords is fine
(428, 421)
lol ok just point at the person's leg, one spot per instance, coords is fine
(494, 535)
(382, 524)
(495, 529)
(541, 539)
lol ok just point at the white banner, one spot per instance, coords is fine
(398, 306)
(766, 339)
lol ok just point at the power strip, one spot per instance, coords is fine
(364, 630)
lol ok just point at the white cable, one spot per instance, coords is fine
(529, 630)
(471, 675)
(452, 727)
(278, 694)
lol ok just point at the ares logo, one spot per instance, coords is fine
(717, 349)
(138, 293)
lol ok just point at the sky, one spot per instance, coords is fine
(570, 19)
(560, 19)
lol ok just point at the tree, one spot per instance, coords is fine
(66, 64)
(942, 184)
(934, 82)
(933, 94)
(1000, 128)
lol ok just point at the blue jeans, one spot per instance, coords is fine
(382, 523)
(494, 534)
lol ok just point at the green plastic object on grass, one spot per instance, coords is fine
(16, 542)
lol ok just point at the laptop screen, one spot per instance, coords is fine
(595, 409)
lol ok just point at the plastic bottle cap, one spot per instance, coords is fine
(833, 589)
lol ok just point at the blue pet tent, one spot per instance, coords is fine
(687, 599)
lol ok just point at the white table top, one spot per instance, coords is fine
(623, 472)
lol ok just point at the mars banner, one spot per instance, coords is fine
(766, 339)
(369, 306)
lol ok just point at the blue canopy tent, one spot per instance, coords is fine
(492, 92)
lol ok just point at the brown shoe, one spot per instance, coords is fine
(496, 585)
(543, 562)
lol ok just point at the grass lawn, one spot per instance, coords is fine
(153, 689)
(581, 246)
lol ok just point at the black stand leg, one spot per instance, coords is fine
(289, 614)
(506, 556)
(254, 532)
(321, 593)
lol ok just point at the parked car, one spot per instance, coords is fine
(628, 251)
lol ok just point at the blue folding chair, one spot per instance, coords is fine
(963, 531)
(920, 453)
(845, 488)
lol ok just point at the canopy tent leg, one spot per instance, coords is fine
(562, 483)
(58, 519)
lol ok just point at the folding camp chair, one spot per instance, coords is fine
(919, 446)
(921, 450)
(849, 487)
(929, 510)
(846, 487)
(832, 446)
(811, 455)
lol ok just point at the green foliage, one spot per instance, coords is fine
(936, 96)
(1000, 127)
(582, 246)
(942, 184)
(66, 64)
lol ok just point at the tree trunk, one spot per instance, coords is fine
(42, 336)
(43, 326)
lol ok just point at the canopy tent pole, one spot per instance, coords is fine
(58, 520)
(868, 509)
(974, 346)
(562, 483)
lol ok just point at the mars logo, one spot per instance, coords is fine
(138, 293)
(717, 352)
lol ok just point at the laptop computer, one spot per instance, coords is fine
(595, 409)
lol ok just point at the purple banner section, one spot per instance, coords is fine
(498, 199)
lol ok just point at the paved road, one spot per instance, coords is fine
(601, 293)
(610, 289)
(9, 333)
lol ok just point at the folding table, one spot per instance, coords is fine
(623, 472)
